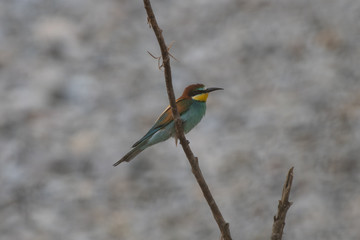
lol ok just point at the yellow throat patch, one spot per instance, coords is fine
(201, 97)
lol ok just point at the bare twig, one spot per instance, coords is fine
(283, 207)
(223, 225)
(157, 58)
(160, 66)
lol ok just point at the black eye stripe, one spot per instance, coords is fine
(196, 92)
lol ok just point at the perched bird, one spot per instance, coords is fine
(191, 107)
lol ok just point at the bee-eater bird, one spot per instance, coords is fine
(191, 107)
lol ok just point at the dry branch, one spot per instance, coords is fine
(223, 225)
(283, 207)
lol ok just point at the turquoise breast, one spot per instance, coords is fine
(194, 115)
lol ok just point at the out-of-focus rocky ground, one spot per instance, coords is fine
(78, 88)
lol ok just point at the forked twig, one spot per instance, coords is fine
(223, 225)
(159, 58)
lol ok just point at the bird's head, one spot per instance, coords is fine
(198, 92)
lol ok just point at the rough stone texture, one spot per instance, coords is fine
(77, 89)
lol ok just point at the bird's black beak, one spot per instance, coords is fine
(212, 89)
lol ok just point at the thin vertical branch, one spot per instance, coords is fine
(283, 207)
(223, 225)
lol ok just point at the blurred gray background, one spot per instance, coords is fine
(78, 89)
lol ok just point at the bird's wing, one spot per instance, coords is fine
(166, 117)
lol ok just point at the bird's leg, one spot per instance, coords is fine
(176, 140)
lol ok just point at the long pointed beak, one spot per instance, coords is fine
(212, 89)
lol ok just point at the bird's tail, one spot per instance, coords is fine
(130, 155)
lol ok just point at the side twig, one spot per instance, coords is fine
(223, 225)
(283, 207)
